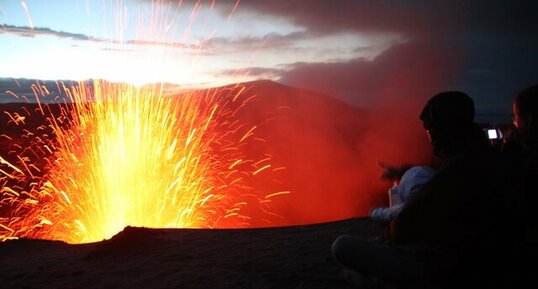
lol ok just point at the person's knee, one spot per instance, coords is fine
(338, 248)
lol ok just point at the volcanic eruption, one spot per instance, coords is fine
(118, 155)
(106, 155)
(88, 158)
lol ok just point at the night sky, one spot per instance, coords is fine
(367, 53)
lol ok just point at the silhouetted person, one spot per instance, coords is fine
(525, 113)
(451, 230)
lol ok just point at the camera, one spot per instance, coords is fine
(493, 133)
(495, 137)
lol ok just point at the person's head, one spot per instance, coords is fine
(448, 118)
(525, 110)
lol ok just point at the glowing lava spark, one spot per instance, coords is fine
(124, 155)
(25, 7)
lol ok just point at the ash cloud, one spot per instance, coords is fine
(401, 78)
(328, 17)
(495, 36)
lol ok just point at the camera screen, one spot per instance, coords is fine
(492, 134)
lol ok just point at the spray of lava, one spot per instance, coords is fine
(117, 155)
(121, 155)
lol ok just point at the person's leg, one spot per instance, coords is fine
(395, 264)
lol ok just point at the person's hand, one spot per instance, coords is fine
(391, 172)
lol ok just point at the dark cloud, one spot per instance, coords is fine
(486, 48)
(405, 73)
(259, 72)
(328, 17)
(25, 31)
(241, 44)
(322, 17)
(401, 78)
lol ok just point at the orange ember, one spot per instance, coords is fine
(122, 155)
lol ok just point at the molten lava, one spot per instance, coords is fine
(121, 155)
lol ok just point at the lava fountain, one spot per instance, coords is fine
(123, 155)
(116, 155)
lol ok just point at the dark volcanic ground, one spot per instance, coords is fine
(286, 257)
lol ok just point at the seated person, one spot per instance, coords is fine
(451, 230)
(403, 190)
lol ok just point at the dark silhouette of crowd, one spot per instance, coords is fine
(472, 224)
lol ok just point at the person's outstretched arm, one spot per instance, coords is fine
(386, 214)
